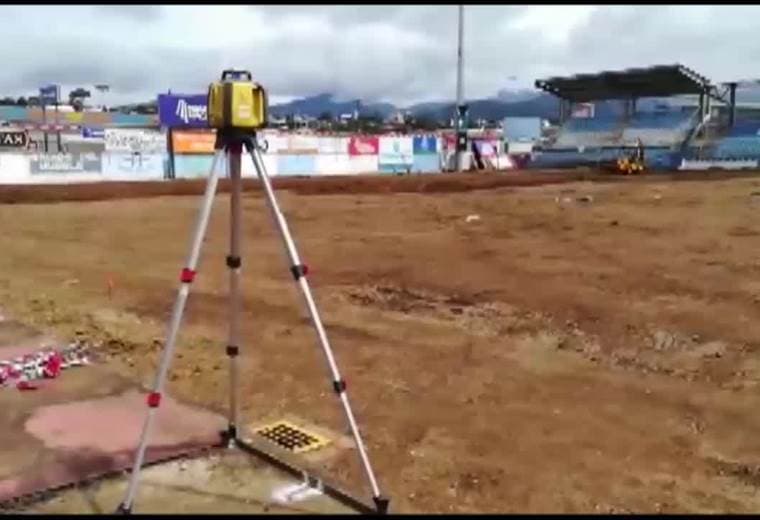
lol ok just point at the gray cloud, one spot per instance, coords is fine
(140, 13)
(398, 53)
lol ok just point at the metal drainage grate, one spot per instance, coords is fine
(291, 437)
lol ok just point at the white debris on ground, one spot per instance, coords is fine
(294, 493)
(472, 218)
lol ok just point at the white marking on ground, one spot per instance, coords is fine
(294, 493)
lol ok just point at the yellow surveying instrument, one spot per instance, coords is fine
(237, 108)
(236, 102)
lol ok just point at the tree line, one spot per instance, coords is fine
(75, 98)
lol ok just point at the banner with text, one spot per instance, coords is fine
(133, 166)
(194, 142)
(183, 111)
(134, 140)
(64, 163)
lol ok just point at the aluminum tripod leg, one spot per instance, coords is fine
(187, 276)
(234, 264)
(299, 273)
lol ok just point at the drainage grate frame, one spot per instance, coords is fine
(291, 437)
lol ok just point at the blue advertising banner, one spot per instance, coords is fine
(425, 144)
(183, 111)
(93, 133)
(49, 94)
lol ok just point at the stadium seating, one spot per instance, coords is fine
(659, 128)
(742, 147)
(745, 128)
(588, 132)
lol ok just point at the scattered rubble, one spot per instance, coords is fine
(45, 364)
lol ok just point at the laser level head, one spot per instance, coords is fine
(237, 102)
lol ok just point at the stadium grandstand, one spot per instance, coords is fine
(670, 110)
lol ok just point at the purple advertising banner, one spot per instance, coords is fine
(182, 111)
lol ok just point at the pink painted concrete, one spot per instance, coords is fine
(113, 424)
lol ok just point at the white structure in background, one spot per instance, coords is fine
(521, 134)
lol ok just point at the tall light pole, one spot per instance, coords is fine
(102, 88)
(461, 116)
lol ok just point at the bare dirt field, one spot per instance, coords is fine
(581, 347)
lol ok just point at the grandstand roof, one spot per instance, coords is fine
(657, 81)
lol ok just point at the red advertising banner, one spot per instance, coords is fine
(363, 145)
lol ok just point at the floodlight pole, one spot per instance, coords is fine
(461, 115)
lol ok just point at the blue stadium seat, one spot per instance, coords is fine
(747, 127)
(747, 147)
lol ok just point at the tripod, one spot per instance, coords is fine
(228, 148)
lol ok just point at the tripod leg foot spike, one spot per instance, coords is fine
(123, 509)
(381, 504)
(231, 433)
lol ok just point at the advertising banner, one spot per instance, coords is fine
(425, 144)
(14, 168)
(396, 151)
(64, 163)
(344, 164)
(134, 140)
(363, 145)
(194, 142)
(270, 165)
(17, 139)
(333, 164)
(296, 165)
(50, 94)
(194, 166)
(449, 141)
(133, 166)
(274, 142)
(93, 133)
(333, 145)
(487, 148)
(301, 145)
(426, 163)
(183, 111)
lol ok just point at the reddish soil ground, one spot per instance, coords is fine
(579, 347)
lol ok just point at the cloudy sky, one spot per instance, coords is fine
(401, 54)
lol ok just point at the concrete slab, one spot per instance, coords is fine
(231, 483)
(86, 423)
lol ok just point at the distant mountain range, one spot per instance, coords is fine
(521, 103)
(537, 105)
